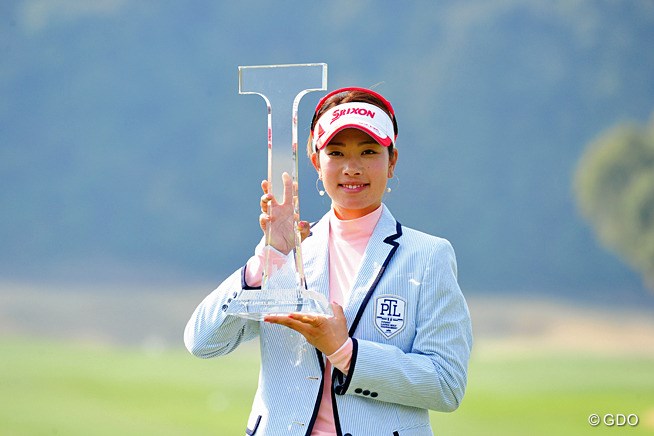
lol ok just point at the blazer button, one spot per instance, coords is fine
(374, 394)
(358, 390)
(366, 392)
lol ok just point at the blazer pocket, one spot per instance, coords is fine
(254, 430)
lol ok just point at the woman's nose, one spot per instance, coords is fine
(352, 167)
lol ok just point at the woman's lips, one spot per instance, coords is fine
(353, 187)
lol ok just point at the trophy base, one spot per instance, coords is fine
(256, 304)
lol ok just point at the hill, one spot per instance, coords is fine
(126, 152)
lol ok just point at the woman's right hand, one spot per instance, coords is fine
(281, 216)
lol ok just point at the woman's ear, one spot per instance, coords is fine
(315, 161)
(392, 161)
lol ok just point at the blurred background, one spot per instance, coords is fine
(130, 172)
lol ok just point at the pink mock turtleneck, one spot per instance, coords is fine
(347, 243)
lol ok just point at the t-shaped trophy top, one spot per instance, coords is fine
(282, 87)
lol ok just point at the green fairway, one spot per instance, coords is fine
(70, 389)
(552, 395)
(56, 388)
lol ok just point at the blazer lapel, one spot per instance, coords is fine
(379, 251)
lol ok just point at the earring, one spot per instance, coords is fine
(321, 192)
(397, 183)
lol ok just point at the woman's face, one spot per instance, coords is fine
(354, 169)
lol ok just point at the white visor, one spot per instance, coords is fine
(357, 115)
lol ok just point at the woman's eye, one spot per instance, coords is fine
(335, 153)
(369, 151)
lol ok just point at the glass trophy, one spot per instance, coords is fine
(283, 287)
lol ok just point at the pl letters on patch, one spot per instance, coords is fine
(389, 315)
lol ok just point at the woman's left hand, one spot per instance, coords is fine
(327, 334)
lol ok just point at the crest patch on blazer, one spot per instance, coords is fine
(389, 314)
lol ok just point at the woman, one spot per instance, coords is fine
(400, 338)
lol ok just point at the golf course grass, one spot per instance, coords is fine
(62, 388)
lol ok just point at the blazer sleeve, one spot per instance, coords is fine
(433, 374)
(211, 332)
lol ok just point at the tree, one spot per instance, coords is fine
(614, 187)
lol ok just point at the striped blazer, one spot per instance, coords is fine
(409, 325)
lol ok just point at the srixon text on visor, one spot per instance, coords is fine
(352, 111)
